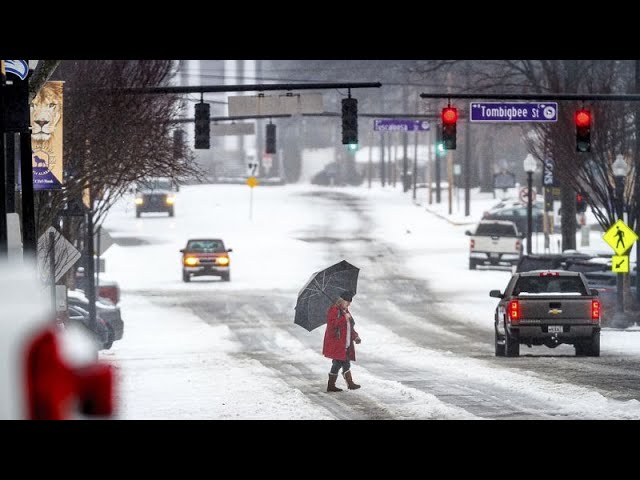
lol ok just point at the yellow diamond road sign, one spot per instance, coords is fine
(620, 263)
(252, 181)
(620, 237)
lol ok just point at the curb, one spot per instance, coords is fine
(452, 222)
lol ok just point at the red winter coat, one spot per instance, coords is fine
(335, 335)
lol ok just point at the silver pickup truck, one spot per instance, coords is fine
(547, 307)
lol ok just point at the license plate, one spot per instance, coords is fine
(494, 255)
(555, 329)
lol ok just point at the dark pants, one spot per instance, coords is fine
(336, 364)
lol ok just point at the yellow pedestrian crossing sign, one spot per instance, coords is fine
(620, 237)
(620, 263)
(252, 181)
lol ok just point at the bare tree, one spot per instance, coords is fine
(112, 140)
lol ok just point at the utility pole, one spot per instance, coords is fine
(3, 195)
(405, 141)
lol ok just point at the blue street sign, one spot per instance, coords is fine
(514, 112)
(400, 125)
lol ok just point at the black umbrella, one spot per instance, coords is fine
(321, 291)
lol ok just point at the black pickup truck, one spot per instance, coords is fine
(547, 307)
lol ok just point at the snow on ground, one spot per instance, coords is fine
(158, 355)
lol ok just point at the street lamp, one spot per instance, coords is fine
(620, 170)
(529, 167)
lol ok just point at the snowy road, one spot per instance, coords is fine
(425, 320)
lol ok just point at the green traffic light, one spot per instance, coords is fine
(352, 147)
(440, 148)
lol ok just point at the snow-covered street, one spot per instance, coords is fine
(229, 350)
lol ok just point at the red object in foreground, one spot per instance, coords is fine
(54, 388)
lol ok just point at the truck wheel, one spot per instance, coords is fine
(137, 213)
(594, 350)
(499, 346)
(511, 345)
(472, 265)
(186, 277)
(581, 351)
(226, 277)
(171, 212)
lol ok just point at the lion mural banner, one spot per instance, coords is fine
(46, 137)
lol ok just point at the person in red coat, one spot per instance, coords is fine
(339, 339)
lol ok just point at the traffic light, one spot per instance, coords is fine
(270, 146)
(581, 203)
(449, 119)
(202, 125)
(583, 130)
(350, 122)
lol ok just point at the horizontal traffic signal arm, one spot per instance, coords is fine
(324, 114)
(609, 97)
(243, 88)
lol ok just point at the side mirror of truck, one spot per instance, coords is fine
(595, 292)
(495, 293)
(229, 250)
(468, 232)
(182, 250)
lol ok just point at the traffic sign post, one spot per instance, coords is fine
(513, 112)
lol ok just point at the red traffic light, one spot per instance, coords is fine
(449, 115)
(583, 118)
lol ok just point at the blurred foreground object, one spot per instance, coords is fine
(46, 372)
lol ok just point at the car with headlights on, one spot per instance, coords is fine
(155, 194)
(206, 256)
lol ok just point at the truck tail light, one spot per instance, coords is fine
(514, 311)
(518, 245)
(595, 310)
(472, 244)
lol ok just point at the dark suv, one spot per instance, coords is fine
(155, 195)
(206, 256)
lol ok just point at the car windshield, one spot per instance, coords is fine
(550, 285)
(155, 184)
(214, 246)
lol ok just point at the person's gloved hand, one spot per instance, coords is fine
(357, 340)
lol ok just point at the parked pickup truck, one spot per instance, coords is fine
(547, 308)
(496, 243)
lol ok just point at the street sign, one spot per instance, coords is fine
(223, 129)
(65, 254)
(620, 263)
(504, 180)
(105, 242)
(524, 195)
(399, 125)
(290, 104)
(514, 112)
(252, 181)
(620, 237)
(252, 168)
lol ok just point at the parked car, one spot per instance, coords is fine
(155, 194)
(107, 288)
(106, 310)
(101, 334)
(599, 275)
(206, 256)
(518, 215)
